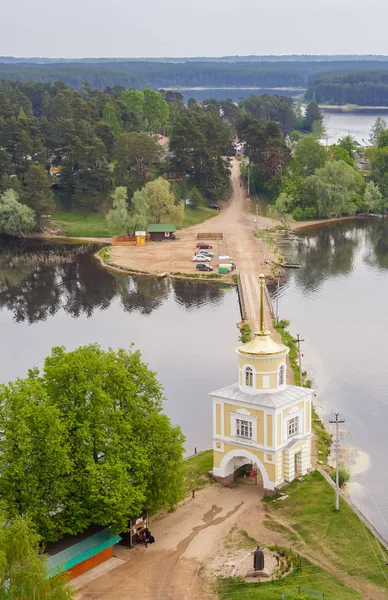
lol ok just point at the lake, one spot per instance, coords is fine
(185, 330)
(337, 301)
(358, 123)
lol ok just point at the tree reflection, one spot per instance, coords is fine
(142, 294)
(196, 294)
(326, 253)
(377, 244)
(34, 291)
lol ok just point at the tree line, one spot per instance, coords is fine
(364, 88)
(159, 74)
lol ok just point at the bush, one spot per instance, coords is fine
(245, 333)
(343, 475)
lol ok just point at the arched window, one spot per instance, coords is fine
(282, 375)
(249, 376)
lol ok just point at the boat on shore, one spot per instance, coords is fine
(290, 265)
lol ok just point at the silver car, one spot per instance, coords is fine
(201, 258)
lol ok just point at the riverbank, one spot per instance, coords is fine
(306, 224)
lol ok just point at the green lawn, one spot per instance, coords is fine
(340, 538)
(193, 216)
(196, 469)
(79, 224)
(93, 224)
(313, 582)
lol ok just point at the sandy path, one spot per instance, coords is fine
(185, 541)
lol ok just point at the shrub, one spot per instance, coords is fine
(343, 475)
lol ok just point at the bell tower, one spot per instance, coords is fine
(261, 361)
(261, 420)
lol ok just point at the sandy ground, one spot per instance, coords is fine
(187, 542)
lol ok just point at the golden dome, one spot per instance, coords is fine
(262, 345)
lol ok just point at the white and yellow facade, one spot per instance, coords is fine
(261, 419)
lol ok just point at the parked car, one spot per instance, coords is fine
(214, 205)
(201, 258)
(205, 253)
(202, 267)
(204, 245)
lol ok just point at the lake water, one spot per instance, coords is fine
(358, 123)
(186, 331)
(337, 301)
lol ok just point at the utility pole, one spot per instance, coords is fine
(277, 301)
(337, 421)
(249, 177)
(298, 341)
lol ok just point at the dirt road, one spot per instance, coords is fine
(186, 541)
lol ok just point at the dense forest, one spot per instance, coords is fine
(111, 151)
(365, 88)
(156, 75)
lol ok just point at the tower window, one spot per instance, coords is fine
(249, 377)
(293, 426)
(282, 373)
(244, 428)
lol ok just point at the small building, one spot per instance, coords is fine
(175, 175)
(161, 231)
(261, 421)
(78, 554)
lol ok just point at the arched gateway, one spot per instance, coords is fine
(260, 419)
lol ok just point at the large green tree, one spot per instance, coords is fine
(85, 442)
(335, 189)
(34, 457)
(313, 114)
(37, 191)
(309, 155)
(23, 568)
(140, 209)
(161, 201)
(15, 218)
(118, 217)
(137, 155)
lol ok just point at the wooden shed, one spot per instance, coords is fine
(161, 231)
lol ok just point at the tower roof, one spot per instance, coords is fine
(262, 344)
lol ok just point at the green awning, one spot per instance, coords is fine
(78, 553)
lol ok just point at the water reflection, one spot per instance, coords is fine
(35, 290)
(331, 250)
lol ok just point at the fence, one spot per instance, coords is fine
(209, 236)
(241, 300)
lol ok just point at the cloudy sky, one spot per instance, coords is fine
(135, 28)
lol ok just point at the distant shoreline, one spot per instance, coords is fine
(350, 107)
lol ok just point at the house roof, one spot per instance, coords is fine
(290, 394)
(160, 227)
(77, 553)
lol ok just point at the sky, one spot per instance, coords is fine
(157, 28)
